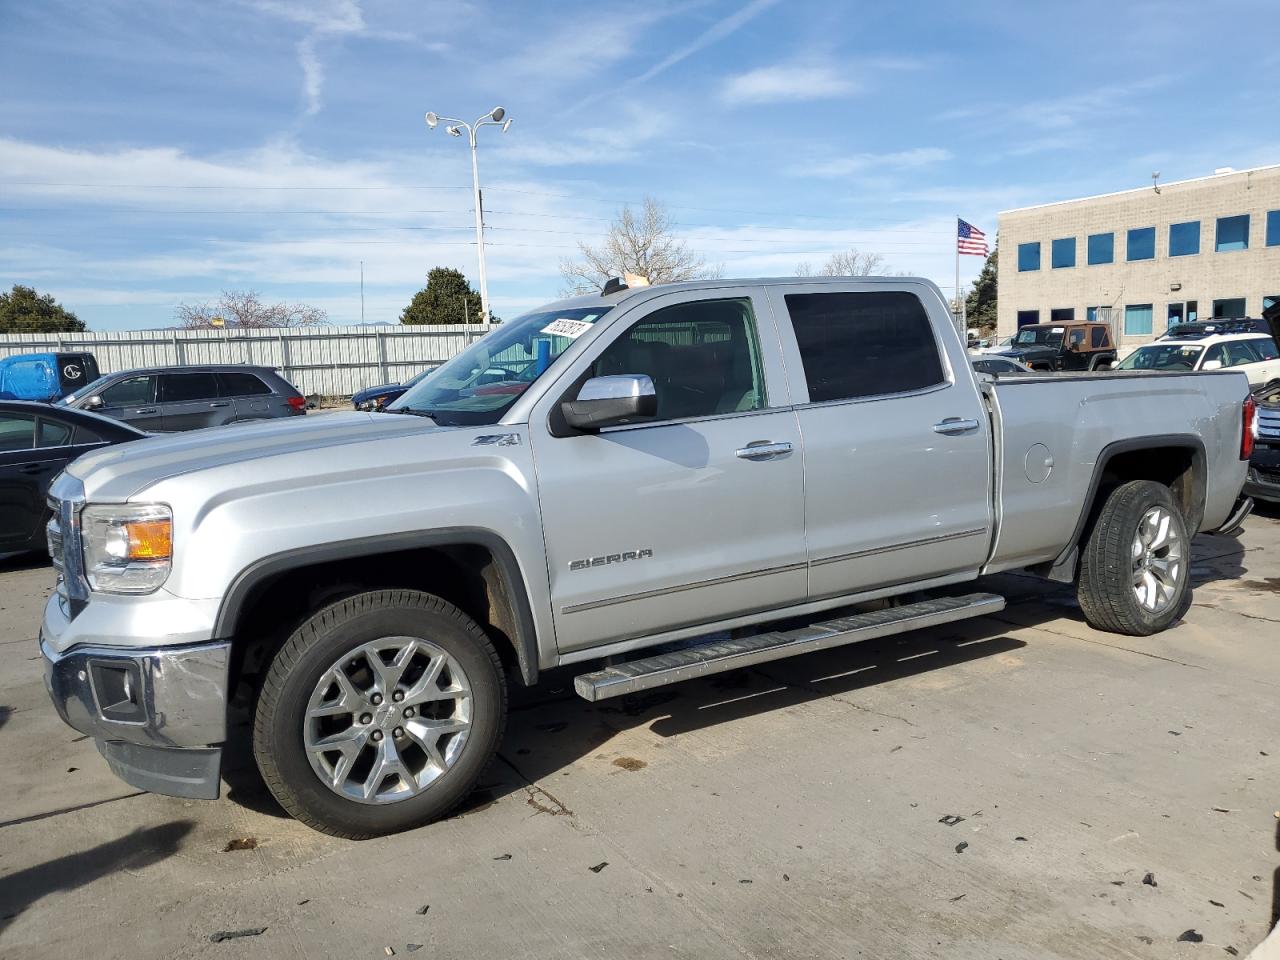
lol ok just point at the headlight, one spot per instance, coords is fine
(128, 547)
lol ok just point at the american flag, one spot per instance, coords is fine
(970, 239)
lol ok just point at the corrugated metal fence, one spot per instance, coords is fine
(332, 361)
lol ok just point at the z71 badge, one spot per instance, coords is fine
(610, 558)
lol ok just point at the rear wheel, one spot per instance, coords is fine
(1135, 574)
(379, 714)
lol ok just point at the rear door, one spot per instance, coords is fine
(695, 516)
(19, 509)
(132, 400)
(190, 401)
(896, 437)
(252, 398)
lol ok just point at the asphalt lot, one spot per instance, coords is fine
(793, 810)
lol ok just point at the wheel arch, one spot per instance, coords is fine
(1177, 460)
(471, 567)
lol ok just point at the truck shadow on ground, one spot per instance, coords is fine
(550, 727)
(141, 848)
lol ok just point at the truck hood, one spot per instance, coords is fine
(120, 472)
(1030, 350)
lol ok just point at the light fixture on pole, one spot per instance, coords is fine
(497, 117)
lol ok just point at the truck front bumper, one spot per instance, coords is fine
(159, 714)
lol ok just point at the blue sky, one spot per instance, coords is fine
(153, 152)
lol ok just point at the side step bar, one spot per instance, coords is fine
(717, 657)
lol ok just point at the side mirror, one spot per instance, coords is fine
(1211, 365)
(94, 403)
(611, 401)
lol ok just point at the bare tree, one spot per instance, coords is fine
(639, 243)
(846, 263)
(244, 308)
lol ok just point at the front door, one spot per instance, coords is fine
(897, 442)
(132, 400)
(683, 520)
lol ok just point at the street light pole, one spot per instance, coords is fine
(494, 117)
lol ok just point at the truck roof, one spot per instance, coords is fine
(633, 294)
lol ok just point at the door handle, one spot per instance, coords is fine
(221, 403)
(33, 468)
(763, 450)
(955, 425)
(146, 410)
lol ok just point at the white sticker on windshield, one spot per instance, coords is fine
(1058, 330)
(567, 328)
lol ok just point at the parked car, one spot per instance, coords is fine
(377, 398)
(1253, 354)
(1063, 346)
(994, 346)
(1264, 464)
(36, 442)
(998, 365)
(45, 376)
(172, 399)
(605, 475)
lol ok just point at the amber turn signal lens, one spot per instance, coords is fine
(150, 539)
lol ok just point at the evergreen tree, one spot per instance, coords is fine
(25, 311)
(980, 304)
(447, 298)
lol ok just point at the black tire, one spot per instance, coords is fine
(1105, 588)
(319, 642)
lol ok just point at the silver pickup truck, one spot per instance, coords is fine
(603, 476)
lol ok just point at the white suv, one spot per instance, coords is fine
(1254, 354)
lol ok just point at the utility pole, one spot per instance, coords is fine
(362, 291)
(494, 117)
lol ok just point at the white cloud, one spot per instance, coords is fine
(312, 74)
(787, 83)
(866, 163)
(718, 31)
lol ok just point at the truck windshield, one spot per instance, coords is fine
(1162, 356)
(1041, 336)
(481, 383)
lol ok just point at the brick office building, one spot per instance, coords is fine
(1142, 259)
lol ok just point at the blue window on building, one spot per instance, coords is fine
(1137, 319)
(1184, 238)
(1027, 316)
(1064, 253)
(1091, 314)
(1233, 233)
(1102, 247)
(1273, 228)
(1028, 257)
(1142, 244)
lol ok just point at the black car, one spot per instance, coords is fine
(1264, 464)
(36, 442)
(169, 399)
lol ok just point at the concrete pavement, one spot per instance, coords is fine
(804, 809)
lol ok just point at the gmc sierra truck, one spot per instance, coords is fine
(603, 476)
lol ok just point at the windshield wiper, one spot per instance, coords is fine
(413, 410)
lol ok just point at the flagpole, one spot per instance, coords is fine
(956, 238)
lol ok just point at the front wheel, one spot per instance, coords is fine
(1135, 574)
(379, 714)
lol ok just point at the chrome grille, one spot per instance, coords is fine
(1269, 423)
(66, 497)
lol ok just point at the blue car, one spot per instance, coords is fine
(377, 398)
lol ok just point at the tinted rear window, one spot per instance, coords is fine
(242, 385)
(54, 434)
(864, 344)
(178, 387)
